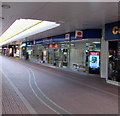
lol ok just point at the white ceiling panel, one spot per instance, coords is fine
(71, 15)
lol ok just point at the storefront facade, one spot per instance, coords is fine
(11, 50)
(112, 37)
(52, 50)
(80, 53)
(70, 52)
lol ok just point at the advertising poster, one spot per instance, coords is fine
(94, 59)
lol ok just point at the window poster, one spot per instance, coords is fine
(94, 59)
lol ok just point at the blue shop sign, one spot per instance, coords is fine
(112, 31)
(29, 42)
(59, 38)
(39, 41)
(87, 34)
(92, 33)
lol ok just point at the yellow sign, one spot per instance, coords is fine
(116, 30)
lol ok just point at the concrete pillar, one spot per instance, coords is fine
(104, 57)
(69, 60)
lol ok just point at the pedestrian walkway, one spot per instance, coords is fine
(11, 102)
(48, 90)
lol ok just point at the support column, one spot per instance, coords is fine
(69, 59)
(104, 57)
(26, 49)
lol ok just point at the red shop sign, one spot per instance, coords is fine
(79, 34)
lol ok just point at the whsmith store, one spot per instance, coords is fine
(95, 51)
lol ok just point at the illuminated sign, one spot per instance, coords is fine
(67, 36)
(94, 59)
(79, 34)
(116, 30)
(53, 45)
(50, 45)
(56, 45)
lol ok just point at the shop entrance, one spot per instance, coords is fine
(114, 61)
(83, 52)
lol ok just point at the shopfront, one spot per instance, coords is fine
(26, 48)
(82, 51)
(52, 50)
(70, 52)
(112, 36)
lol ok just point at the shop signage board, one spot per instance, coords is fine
(67, 36)
(94, 59)
(92, 33)
(112, 31)
(84, 34)
(34, 42)
(29, 42)
(79, 34)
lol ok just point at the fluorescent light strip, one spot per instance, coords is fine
(41, 27)
(17, 27)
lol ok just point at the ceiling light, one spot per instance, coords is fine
(17, 31)
(96, 42)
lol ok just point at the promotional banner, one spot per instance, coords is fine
(94, 59)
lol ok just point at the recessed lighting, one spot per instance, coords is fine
(24, 28)
(96, 42)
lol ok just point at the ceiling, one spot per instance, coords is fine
(71, 15)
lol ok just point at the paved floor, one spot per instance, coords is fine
(29, 88)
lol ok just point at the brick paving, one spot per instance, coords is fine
(11, 102)
(75, 92)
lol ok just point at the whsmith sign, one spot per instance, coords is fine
(112, 31)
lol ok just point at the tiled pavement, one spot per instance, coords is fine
(74, 89)
(11, 102)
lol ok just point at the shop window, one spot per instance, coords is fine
(114, 61)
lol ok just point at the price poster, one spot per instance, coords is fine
(94, 59)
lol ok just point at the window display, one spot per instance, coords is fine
(114, 61)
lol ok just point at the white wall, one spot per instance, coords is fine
(104, 57)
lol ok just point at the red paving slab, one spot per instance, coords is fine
(75, 97)
(76, 93)
(11, 102)
(21, 81)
